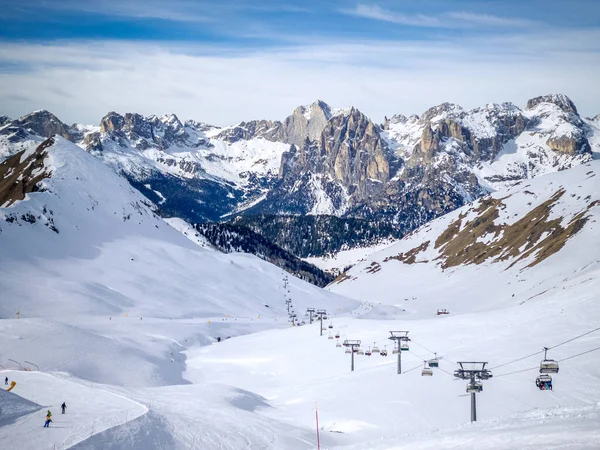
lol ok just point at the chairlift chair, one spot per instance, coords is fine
(348, 350)
(375, 348)
(368, 352)
(338, 344)
(404, 346)
(337, 335)
(474, 387)
(360, 351)
(544, 382)
(434, 362)
(548, 365)
(330, 336)
(383, 352)
(427, 371)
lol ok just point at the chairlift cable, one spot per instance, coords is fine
(517, 371)
(549, 348)
(517, 360)
(577, 337)
(420, 357)
(422, 346)
(579, 354)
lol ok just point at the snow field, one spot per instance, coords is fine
(90, 410)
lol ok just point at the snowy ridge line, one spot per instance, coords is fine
(549, 348)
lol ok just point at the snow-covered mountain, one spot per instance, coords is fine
(533, 240)
(326, 161)
(77, 239)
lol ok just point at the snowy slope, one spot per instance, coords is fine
(513, 237)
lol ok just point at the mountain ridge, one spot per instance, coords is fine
(326, 161)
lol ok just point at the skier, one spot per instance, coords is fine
(49, 414)
(6, 381)
(48, 420)
(63, 407)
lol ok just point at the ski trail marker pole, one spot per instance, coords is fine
(317, 417)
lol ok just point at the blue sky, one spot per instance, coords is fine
(229, 60)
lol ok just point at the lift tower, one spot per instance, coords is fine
(400, 337)
(475, 372)
(321, 313)
(352, 344)
(310, 312)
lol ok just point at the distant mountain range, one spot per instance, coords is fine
(334, 165)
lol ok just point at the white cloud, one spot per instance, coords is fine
(456, 19)
(83, 81)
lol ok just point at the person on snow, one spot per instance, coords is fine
(48, 420)
(63, 407)
(6, 381)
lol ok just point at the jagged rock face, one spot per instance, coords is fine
(306, 122)
(112, 122)
(347, 163)
(504, 122)
(250, 130)
(93, 142)
(572, 144)
(144, 132)
(353, 151)
(4, 120)
(560, 100)
(42, 123)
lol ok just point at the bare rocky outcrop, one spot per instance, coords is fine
(20, 174)
(570, 144)
(40, 123)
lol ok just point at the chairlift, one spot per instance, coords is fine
(427, 371)
(330, 326)
(548, 365)
(544, 382)
(337, 335)
(338, 344)
(375, 348)
(360, 351)
(434, 362)
(383, 352)
(474, 387)
(348, 350)
(330, 336)
(404, 346)
(368, 352)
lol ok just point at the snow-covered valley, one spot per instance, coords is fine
(119, 314)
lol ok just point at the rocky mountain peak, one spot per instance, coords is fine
(441, 111)
(43, 123)
(111, 122)
(560, 100)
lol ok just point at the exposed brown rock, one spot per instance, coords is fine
(20, 177)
